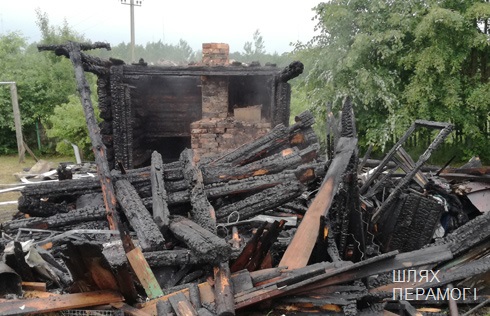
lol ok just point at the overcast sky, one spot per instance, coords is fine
(196, 21)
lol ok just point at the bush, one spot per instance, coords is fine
(67, 125)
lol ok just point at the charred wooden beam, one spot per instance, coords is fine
(90, 63)
(223, 290)
(302, 121)
(291, 71)
(40, 208)
(149, 235)
(74, 217)
(73, 50)
(255, 150)
(289, 158)
(262, 201)
(264, 246)
(159, 194)
(299, 250)
(166, 258)
(248, 250)
(206, 245)
(56, 191)
(249, 185)
(202, 211)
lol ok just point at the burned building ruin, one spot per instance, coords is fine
(210, 107)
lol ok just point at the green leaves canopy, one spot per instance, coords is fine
(401, 61)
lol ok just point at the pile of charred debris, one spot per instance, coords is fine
(272, 227)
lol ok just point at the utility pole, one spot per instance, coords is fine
(132, 4)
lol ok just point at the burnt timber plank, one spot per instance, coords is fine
(444, 277)
(181, 305)
(306, 279)
(391, 262)
(149, 235)
(144, 273)
(159, 194)
(59, 303)
(299, 250)
(128, 309)
(34, 286)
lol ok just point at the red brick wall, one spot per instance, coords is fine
(210, 137)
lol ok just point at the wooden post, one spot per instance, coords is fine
(73, 51)
(17, 121)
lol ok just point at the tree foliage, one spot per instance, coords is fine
(67, 125)
(401, 61)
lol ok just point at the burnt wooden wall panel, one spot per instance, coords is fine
(152, 107)
(122, 117)
(105, 112)
(281, 111)
(166, 105)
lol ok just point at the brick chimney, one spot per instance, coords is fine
(217, 131)
(215, 88)
(215, 54)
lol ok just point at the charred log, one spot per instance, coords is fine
(159, 194)
(59, 220)
(262, 201)
(149, 235)
(257, 149)
(204, 244)
(202, 211)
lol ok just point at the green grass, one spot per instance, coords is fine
(10, 165)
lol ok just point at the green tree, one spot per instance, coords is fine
(67, 125)
(254, 51)
(44, 80)
(401, 61)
